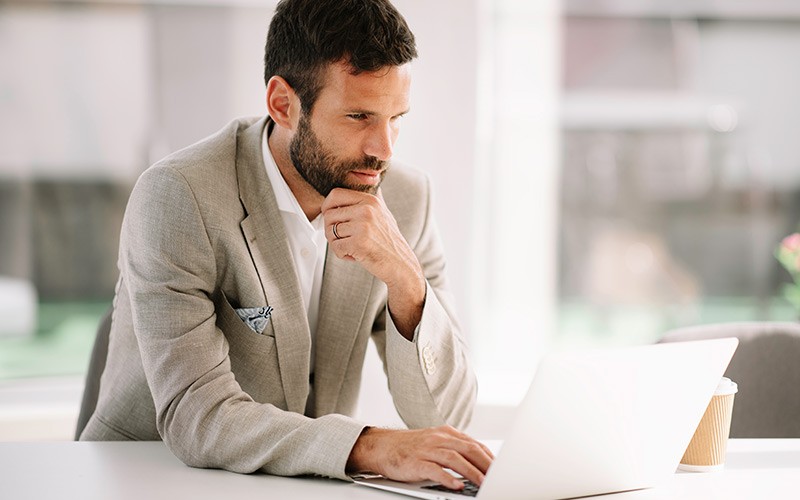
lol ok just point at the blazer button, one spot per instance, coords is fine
(429, 360)
(430, 367)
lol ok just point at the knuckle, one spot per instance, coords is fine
(428, 440)
(370, 212)
(445, 430)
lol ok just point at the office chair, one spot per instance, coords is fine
(97, 363)
(766, 366)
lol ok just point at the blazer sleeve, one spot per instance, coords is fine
(430, 378)
(203, 415)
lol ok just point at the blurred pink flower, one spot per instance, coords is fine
(791, 242)
(788, 254)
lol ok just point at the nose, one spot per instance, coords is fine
(380, 141)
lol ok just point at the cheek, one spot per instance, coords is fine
(346, 146)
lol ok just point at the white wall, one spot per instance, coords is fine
(74, 90)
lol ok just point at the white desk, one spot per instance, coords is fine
(756, 469)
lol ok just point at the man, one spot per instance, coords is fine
(256, 264)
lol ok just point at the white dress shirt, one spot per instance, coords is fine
(306, 241)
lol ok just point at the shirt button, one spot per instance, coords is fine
(305, 253)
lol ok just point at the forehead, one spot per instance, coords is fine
(383, 91)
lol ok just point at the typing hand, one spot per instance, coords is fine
(419, 455)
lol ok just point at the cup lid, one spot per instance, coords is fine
(726, 386)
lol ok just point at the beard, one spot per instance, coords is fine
(321, 169)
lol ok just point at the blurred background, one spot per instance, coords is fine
(605, 170)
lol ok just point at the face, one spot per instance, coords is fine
(320, 167)
(349, 136)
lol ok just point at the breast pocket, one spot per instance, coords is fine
(254, 359)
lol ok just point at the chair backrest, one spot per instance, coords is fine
(766, 367)
(97, 363)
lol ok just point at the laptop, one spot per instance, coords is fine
(596, 422)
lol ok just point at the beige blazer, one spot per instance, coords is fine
(202, 236)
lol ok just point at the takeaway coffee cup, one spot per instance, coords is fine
(706, 451)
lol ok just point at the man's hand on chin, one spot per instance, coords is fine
(420, 455)
(366, 232)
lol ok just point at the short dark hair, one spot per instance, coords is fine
(306, 35)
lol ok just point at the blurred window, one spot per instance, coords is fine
(680, 169)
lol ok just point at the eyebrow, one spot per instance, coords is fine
(372, 113)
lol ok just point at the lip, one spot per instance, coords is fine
(369, 177)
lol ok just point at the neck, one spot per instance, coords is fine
(308, 197)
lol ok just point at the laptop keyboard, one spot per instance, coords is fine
(470, 488)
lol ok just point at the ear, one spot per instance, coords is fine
(283, 105)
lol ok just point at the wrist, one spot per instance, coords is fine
(410, 288)
(405, 307)
(363, 449)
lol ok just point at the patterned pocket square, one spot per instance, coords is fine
(255, 317)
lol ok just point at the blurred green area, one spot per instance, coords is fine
(61, 345)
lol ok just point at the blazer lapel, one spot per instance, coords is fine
(345, 292)
(269, 248)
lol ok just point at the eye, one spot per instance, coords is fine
(357, 116)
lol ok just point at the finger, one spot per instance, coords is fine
(475, 452)
(436, 473)
(456, 462)
(368, 211)
(334, 218)
(345, 249)
(341, 197)
(344, 213)
(340, 248)
(336, 231)
(486, 450)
